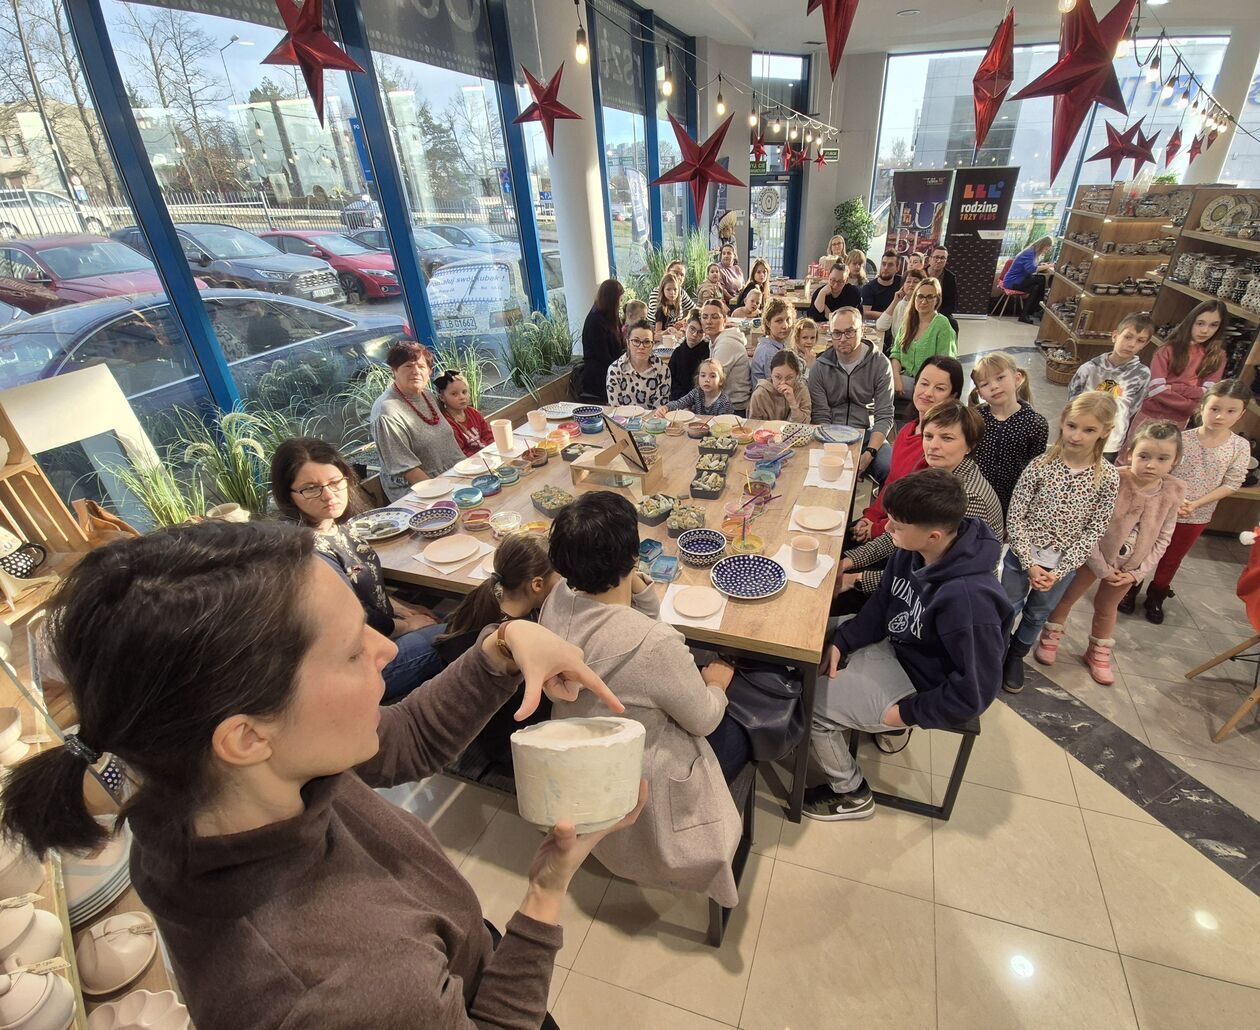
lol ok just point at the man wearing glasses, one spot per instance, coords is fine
(851, 384)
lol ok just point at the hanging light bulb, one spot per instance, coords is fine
(1167, 91)
(1183, 101)
(667, 84)
(809, 137)
(1067, 6)
(581, 52)
(720, 107)
(1124, 48)
(776, 126)
(1152, 69)
(792, 132)
(753, 119)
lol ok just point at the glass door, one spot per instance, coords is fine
(768, 221)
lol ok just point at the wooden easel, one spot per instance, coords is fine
(610, 467)
(1237, 653)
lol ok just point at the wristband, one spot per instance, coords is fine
(870, 450)
(500, 641)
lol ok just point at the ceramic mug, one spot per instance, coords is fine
(804, 553)
(502, 430)
(537, 421)
(830, 467)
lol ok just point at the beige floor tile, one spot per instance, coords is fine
(1180, 717)
(768, 821)
(458, 813)
(1170, 999)
(1172, 657)
(1171, 905)
(1114, 702)
(497, 866)
(891, 849)
(889, 778)
(589, 1003)
(1237, 785)
(1023, 860)
(1009, 754)
(558, 977)
(1096, 794)
(653, 942)
(837, 954)
(993, 974)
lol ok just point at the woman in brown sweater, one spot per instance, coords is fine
(234, 673)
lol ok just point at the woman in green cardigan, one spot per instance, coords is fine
(925, 332)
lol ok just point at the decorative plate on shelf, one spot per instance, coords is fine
(748, 577)
(559, 411)
(381, 523)
(1217, 214)
(835, 433)
(428, 488)
(587, 411)
(1179, 204)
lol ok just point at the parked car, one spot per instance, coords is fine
(138, 339)
(477, 298)
(432, 249)
(43, 213)
(364, 273)
(362, 214)
(9, 313)
(50, 271)
(227, 256)
(475, 238)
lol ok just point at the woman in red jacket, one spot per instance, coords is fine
(940, 379)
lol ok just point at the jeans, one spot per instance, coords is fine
(416, 662)
(730, 746)
(1036, 605)
(881, 463)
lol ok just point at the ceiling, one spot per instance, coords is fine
(943, 24)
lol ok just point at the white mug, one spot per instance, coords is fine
(502, 429)
(804, 553)
(829, 467)
(537, 421)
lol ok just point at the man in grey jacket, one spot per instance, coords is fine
(851, 384)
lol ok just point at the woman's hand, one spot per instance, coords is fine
(549, 665)
(861, 530)
(718, 674)
(411, 622)
(787, 392)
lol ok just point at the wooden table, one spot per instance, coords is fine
(791, 627)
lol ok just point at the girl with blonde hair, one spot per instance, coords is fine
(855, 262)
(1014, 431)
(802, 340)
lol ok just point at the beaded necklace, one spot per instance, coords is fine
(428, 403)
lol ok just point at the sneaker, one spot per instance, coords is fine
(825, 804)
(893, 742)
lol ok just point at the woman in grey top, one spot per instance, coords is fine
(414, 440)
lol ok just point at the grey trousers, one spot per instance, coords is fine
(855, 699)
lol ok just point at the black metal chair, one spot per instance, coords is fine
(969, 731)
(744, 791)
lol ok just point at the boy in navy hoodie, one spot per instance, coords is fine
(925, 650)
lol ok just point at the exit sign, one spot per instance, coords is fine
(831, 154)
(758, 167)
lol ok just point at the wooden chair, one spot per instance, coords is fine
(969, 731)
(1240, 653)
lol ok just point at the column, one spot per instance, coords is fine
(575, 183)
(713, 57)
(1232, 87)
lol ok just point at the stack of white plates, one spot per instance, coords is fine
(94, 883)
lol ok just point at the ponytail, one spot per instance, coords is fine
(44, 805)
(519, 559)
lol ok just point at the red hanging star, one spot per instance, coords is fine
(307, 45)
(546, 107)
(994, 77)
(1144, 149)
(838, 19)
(1083, 74)
(759, 147)
(1211, 138)
(699, 165)
(820, 161)
(1196, 148)
(1174, 145)
(1119, 147)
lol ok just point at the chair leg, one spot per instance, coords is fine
(1224, 656)
(717, 924)
(956, 776)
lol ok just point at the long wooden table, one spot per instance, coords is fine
(791, 627)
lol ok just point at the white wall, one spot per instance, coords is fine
(736, 61)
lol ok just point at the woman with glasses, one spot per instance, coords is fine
(639, 377)
(924, 332)
(313, 485)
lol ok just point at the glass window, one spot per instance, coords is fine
(1242, 165)
(675, 205)
(782, 79)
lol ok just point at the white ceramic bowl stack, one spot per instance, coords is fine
(96, 882)
(30, 934)
(34, 1001)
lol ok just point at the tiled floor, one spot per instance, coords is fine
(1049, 900)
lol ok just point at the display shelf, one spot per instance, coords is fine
(1126, 219)
(1198, 295)
(1136, 259)
(1068, 283)
(1224, 241)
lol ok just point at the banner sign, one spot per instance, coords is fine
(916, 216)
(620, 68)
(978, 213)
(639, 224)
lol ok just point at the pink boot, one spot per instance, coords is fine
(1098, 658)
(1048, 646)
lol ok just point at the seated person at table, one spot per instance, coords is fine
(706, 397)
(892, 316)
(1028, 273)
(634, 311)
(847, 382)
(470, 426)
(926, 650)
(730, 275)
(413, 439)
(728, 346)
(803, 341)
(751, 308)
(784, 395)
(686, 357)
(683, 303)
(313, 485)
(758, 279)
(668, 314)
(878, 293)
(689, 830)
(834, 294)
(639, 377)
(776, 325)
(835, 253)
(925, 331)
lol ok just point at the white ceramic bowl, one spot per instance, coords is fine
(110, 955)
(34, 1001)
(20, 873)
(10, 727)
(141, 1010)
(30, 933)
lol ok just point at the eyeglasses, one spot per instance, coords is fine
(642, 343)
(314, 493)
(926, 296)
(842, 334)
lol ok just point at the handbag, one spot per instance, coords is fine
(101, 527)
(19, 558)
(765, 699)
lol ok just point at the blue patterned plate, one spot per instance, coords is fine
(835, 433)
(748, 577)
(381, 523)
(587, 410)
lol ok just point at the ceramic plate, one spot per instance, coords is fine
(839, 434)
(679, 416)
(748, 577)
(473, 467)
(559, 411)
(518, 448)
(1217, 213)
(818, 519)
(428, 488)
(630, 411)
(450, 550)
(697, 602)
(138, 954)
(587, 411)
(381, 523)
(431, 519)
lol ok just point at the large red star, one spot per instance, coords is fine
(759, 147)
(546, 107)
(1211, 138)
(1119, 147)
(820, 161)
(837, 19)
(994, 77)
(1144, 149)
(1174, 145)
(699, 165)
(1196, 148)
(1083, 74)
(307, 45)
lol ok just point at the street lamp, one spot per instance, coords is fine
(223, 61)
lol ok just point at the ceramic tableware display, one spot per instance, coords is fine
(20, 873)
(34, 1001)
(94, 882)
(701, 548)
(115, 952)
(141, 1010)
(430, 488)
(748, 577)
(584, 771)
(30, 933)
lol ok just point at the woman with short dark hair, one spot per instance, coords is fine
(234, 674)
(601, 340)
(413, 438)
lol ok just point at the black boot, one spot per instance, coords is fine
(1013, 669)
(1128, 603)
(1155, 597)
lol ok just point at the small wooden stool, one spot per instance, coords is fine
(1235, 654)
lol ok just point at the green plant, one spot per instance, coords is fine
(554, 337)
(697, 256)
(471, 360)
(1169, 177)
(524, 356)
(855, 224)
(230, 464)
(169, 500)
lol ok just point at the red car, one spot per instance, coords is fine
(365, 273)
(52, 271)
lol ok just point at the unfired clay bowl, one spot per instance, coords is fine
(34, 1001)
(30, 933)
(141, 1010)
(110, 956)
(20, 873)
(583, 771)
